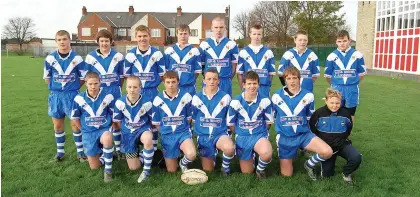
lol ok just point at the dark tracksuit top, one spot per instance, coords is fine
(332, 127)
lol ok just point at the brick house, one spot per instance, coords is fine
(161, 24)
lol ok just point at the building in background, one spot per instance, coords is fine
(161, 24)
(388, 34)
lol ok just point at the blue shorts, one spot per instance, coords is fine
(287, 146)
(114, 90)
(130, 141)
(350, 95)
(149, 93)
(264, 91)
(245, 145)
(207, 144)
(92, 142)
(60, 103)
(171, 143)
(189, 88)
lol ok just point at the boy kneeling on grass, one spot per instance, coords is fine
(333, 124)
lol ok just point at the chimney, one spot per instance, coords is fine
(227, 12)
(84, 11)
(130, 10)
(178, 11)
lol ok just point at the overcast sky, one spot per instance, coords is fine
(52, 15)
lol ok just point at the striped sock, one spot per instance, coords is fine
(60, 139)
(262, 164)
(116, 136)
(185, 161)
(141, 156)
(155, 138)
(226, 162)
(102, 160)
(148, 157)
(314, 160)
(108, 158)
(77, 137)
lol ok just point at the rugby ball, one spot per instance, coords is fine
(194, 177)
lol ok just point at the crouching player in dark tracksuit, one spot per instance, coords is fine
(333, 124)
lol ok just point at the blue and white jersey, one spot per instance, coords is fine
(307, 63)
(94, 113)
(64, 73)
(259, 59)
(137, 117)
(292, 113)
(110, 68)
(186, 62)
(209, 113)
(172, 114)
(250, 118)
(219, 56)
(345, 68)
(149, 67)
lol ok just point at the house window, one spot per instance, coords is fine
(101, 28)
(122, 32)
(208, 33)
(86, 31)
(155, 33)
(194, 32)
(172, 32)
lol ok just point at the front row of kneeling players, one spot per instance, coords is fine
(212, 111)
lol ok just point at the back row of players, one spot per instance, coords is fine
(144, 112)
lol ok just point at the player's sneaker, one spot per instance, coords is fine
(260, 174)
(348, 179)
(82, 158)
(183, 167)
(143, 176)
(58, 158)
(107, 177)
(225, 172)
(311, 172)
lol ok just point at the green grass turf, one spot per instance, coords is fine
(386, 133)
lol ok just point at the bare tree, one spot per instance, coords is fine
(277, 20)
(241, 22)
(20, 29)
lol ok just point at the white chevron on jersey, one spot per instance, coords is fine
(196, 101)
(277, 100)
(336, 59)
(51, 59)
(91, 60)
(82, 103)
(193, 52)
(165, 108)
(143, 110)
(228, 46)
(131, 57)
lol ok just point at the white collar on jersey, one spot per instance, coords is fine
(177, 44)
(64, 58)
(215, 40)
(256, 49)
(149, 51)
(254, 101)
(102, 55)
(297, 51)
(347, 50)
(204, 93)
(94, 99)
(287, 94)
(167, 96)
